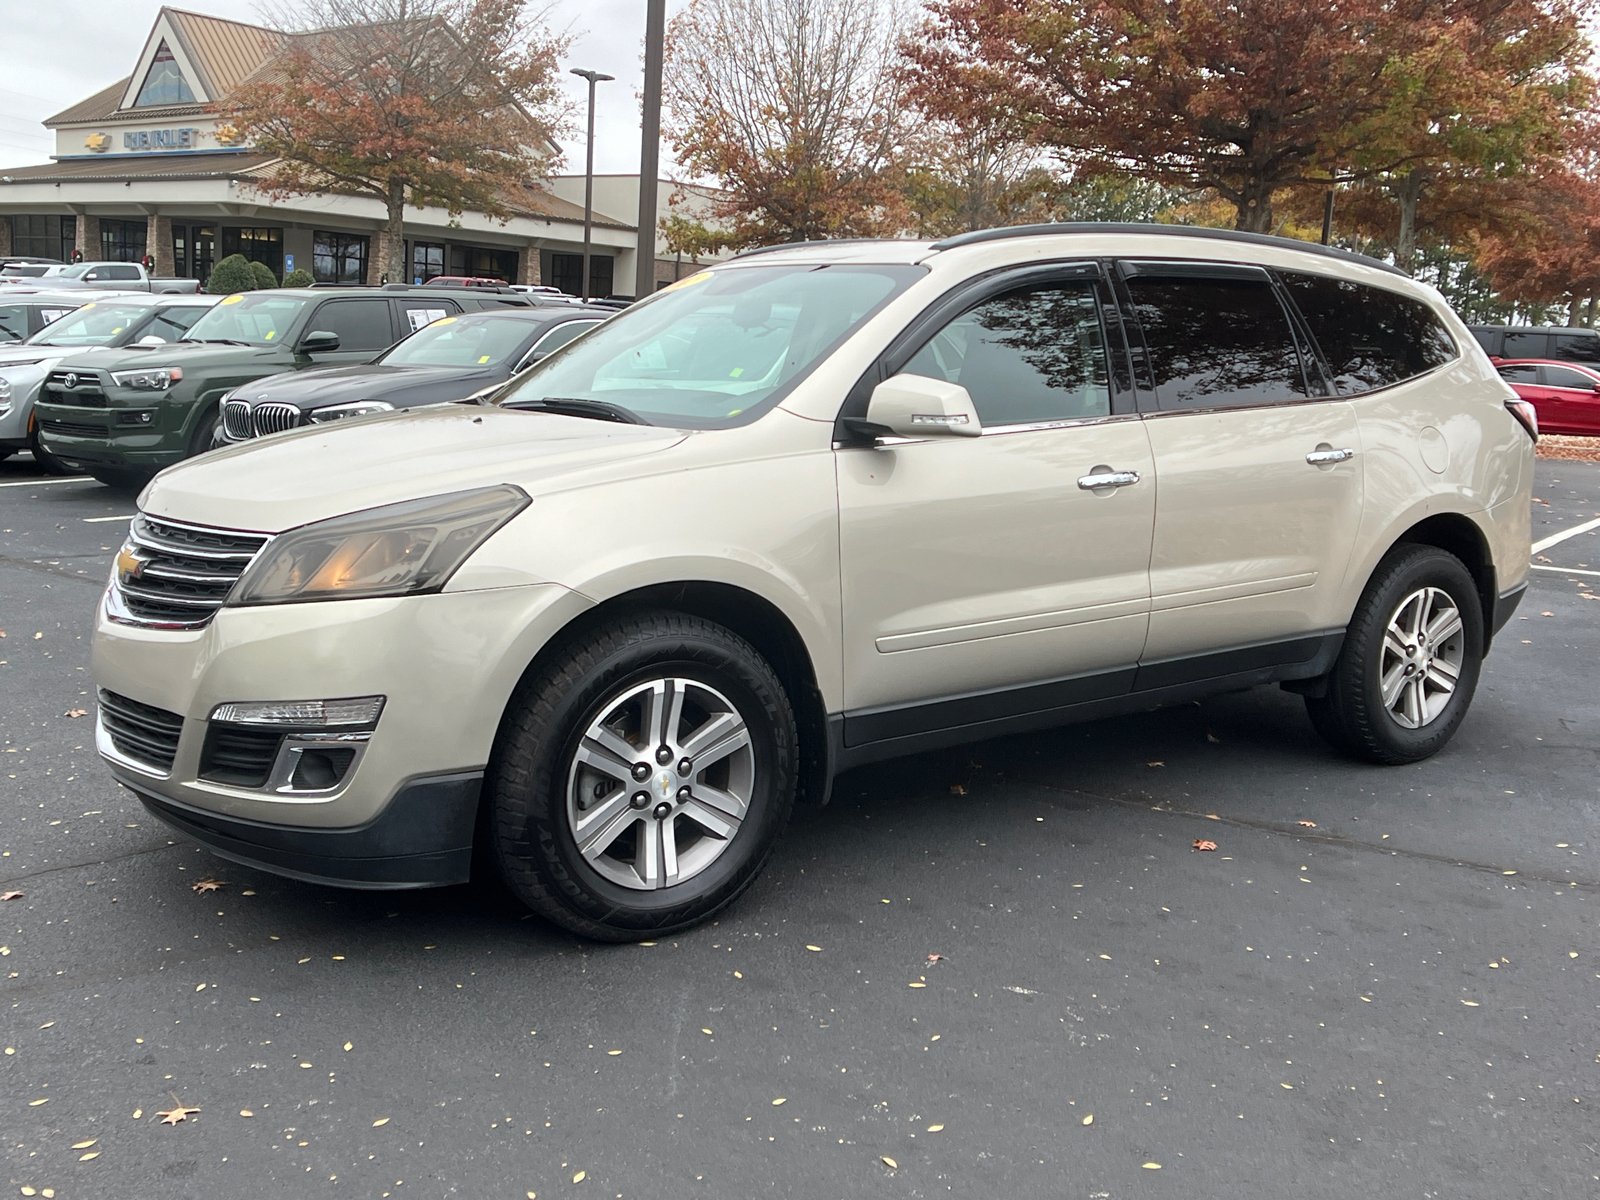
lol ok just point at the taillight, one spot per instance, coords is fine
(1526, 414)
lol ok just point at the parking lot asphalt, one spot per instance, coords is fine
(1002, 970)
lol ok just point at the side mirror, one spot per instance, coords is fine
(916, 406)
(319, 341)
(152, 339)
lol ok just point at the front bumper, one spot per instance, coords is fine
(422, 838)
(447, 663)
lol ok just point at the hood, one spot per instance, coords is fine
(400, 386)
(180, 354)
(290, 479)
(15, 352)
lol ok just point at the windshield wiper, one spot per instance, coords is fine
(219, 341)
(600, 410)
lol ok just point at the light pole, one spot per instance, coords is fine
(593, 77)
(655, 27)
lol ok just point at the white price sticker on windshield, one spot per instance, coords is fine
(423, 316)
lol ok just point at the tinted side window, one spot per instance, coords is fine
(1520, 373)
(1577, 347)
(559, 337)
(1217, 342)
(122, 272)
(1566, 377)
(1486, 339)
(13, 322)
(360, 324)
(1371, 337)
(1034, 354)
(1526, 345)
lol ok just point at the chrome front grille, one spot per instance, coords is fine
(175, 576)
(241, 421)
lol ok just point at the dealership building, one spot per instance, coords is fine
(151, 166)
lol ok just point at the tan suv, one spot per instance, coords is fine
(817, 506)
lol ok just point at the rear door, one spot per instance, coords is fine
(1258, 473)
(1570, 400)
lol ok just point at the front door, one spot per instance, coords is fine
(1259, 493)
(1570, 399)
(988, 575)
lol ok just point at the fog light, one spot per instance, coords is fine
(139, 416)
(358, 710)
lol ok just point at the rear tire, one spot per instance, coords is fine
(206, 432)
(1409, 666)
(594, 750)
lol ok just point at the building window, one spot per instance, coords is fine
(427, 261)
(480, 262)
(194, 251)
(566, 273)
(44, 237)
(338, 257)
(121, 241)
(258, 245)
(164, 84)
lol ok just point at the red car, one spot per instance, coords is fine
(1566, 395)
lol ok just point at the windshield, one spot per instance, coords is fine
(719, 348)
(23, 272)
(91, 325)
(461, 342)
(72, 272)
(258, 320)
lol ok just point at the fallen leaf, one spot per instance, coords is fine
(37, 636)
(935, 1128)
(889, 1162)
(1089, 1120)
(1107, 957)
(85, 1144)
(88, 1156)
(199, 987)
(174, 1115)
(1470, 1003)
(1211, 737)
(1307, 824)
(533, 1196)
(957, 789)
(580, 1177)
(1212, 817)
(207, 885)
(1288, 1087)
(707, 1032)
(780, 1100)
(936, 958)
(137, 1113)
(814, 949)
(245, 1112)
(1152, 1166)
(36, 1103)
(380, 1121)
(1547, 614)
(11, 895)
(349, 1045)
(1202, 844)
(917, 985)
(613, 1053)
(76, 712)
(1157, 763)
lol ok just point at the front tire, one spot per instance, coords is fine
(641, 779)
(1409, 666)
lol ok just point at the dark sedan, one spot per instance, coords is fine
(1566, 395)
(451, 359)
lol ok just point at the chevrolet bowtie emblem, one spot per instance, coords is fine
(129, 564)
(664, 784)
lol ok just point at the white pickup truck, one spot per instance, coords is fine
(113, 276)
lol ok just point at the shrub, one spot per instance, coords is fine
(264, 276)
(232, 274)
(299, 277)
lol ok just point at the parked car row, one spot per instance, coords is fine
(122, 417)
(104, 276)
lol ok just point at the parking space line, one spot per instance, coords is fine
(48, 482)
(1562, 570)
(1565, 534)
(94, 520)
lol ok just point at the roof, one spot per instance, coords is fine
(223, 51)
(174, 166)
(96, 108)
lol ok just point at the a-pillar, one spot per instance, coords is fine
(528, 265)
(158, 244)
(88, 243)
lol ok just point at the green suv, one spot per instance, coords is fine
(121, 416)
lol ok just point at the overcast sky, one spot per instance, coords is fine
(61, 51)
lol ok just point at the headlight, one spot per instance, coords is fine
(396, 550)
(150, 379)
(352, 408)
(23, 362)
(5, 391)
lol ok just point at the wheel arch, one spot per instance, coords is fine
(754, 618)
(1460, 535)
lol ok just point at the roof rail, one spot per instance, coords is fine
(812, 242)
(1194, 231)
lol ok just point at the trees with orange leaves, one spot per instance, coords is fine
(452, 103)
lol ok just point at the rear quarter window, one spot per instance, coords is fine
(1370, 337)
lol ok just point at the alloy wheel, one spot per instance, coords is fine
(1423, 648)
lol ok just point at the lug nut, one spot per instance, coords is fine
(641, 772)
(663, 811)
(684, 793)
(664, 755)
(640, 800)
(685, 767)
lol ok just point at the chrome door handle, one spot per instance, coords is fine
(1324, 458)
(1105, 478)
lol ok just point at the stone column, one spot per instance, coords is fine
(528, 265)
(88, 243)
(158, 244)
(5, 236)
